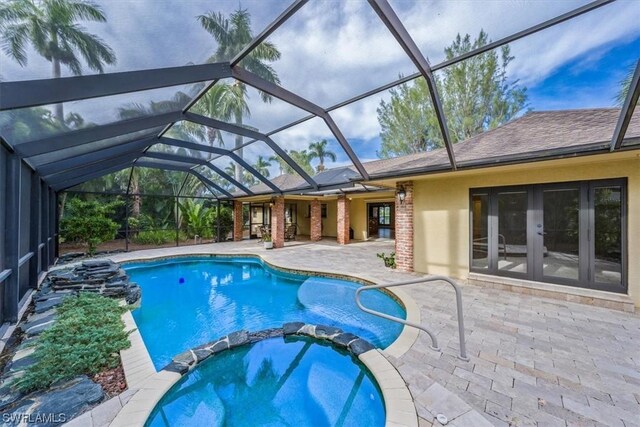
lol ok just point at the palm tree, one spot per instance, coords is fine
(281, 163)
(262, 166)
(625, 84)
(303, 159)
(224, 102)
(232, 35)
(51, 28)
(319, 150)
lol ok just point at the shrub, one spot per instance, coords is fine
(85, 339)
(195, 216)
(88, 222)
(226, 223)
(155, 237)
(389, 261)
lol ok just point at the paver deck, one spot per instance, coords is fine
(534, 361)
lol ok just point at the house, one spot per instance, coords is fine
(538, 205)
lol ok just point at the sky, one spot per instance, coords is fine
(334, 50)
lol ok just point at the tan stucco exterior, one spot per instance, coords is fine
(441, 240)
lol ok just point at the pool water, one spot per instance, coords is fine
(187, 302)
(277, 381)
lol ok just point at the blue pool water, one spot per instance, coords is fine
(274, 382)
(187, 302)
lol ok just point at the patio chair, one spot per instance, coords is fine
(290, 232)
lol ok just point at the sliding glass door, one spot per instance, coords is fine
(569, 233)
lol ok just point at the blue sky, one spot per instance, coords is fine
(333, 50)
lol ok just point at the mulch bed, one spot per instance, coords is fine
(112, 381)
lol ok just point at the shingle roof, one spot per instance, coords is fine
(533, 134)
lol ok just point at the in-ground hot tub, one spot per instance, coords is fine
(295, 381)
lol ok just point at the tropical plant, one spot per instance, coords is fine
(85, 339)
(232, 35)
(51, 27)
(262, 166)
(318, 150)
(302, 159)
(226, 222)
(89, 222)
(156, 237)
(625, 84)
(195, 215)
(476, 94)
(389, 260)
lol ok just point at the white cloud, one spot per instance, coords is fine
(332, 50)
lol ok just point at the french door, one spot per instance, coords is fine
(568, 233)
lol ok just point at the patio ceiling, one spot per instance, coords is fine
(69, 158)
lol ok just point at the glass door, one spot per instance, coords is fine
(559, 233)
(608, 236)
(512, 242)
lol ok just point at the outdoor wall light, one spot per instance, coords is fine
(401, 194)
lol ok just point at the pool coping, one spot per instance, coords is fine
(151, 385)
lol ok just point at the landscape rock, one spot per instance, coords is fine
(359, 346)
(238, 338)
(344, 339)
(292, 328)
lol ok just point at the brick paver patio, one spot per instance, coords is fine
(534, 361)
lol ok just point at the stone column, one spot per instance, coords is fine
(238, 221)
(277, 222)
(316, 220)
(404, 227)
(343, 220)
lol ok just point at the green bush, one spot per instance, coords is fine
(226, 222)
(195, 216)
(389, 261)
(88, 222)
(85, 339)
(155, 237)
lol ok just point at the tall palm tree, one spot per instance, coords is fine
(232, 35)
(262, 166)
(51, 27)
(318, 150)
(224, 101)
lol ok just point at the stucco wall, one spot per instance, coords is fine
(358, 217)
(441, 239)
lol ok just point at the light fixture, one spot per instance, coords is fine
(401, 194)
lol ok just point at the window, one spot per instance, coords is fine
(566, 233)
(384, 217)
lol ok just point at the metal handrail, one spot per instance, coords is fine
(434, 340)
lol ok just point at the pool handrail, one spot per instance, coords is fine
(434, 340)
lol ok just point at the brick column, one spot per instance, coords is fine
(343, 220)
(277, 222)
(316, 220)
(404, 227)
(237, 221)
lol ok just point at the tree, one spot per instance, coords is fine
(262, 166)
(52, 29)
(224, 101)
(476, 94)
(232, 35)
(625, 84)
(300, 157)
(318, 150)
(88, 222)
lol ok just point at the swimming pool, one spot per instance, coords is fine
(278, 381)
(190, 301)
